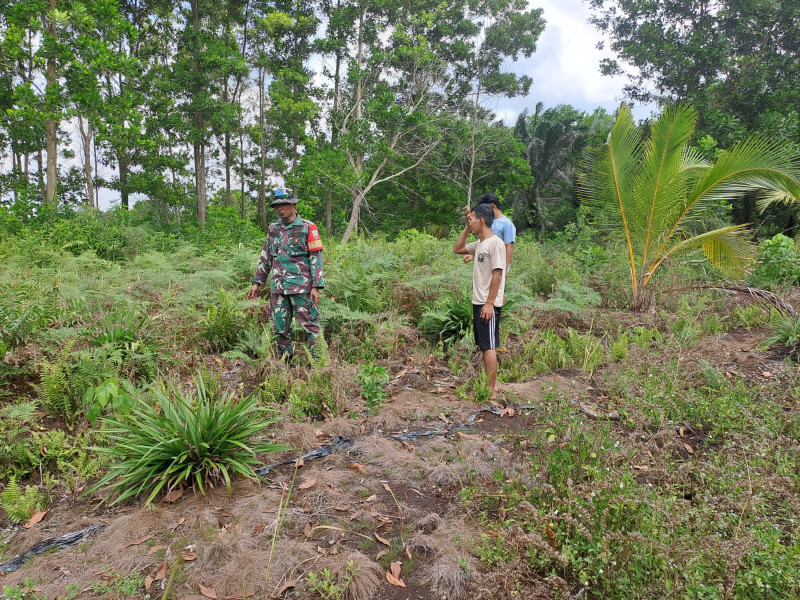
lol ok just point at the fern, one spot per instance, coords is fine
(224, 322)
(65, 381)
(21, 506)
(24, 412)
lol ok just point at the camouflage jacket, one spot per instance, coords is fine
(293, 253)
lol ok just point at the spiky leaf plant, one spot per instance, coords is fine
(184, 439)
(656, 191)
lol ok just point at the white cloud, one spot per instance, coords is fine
(566, 65)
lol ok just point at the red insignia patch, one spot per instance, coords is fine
(314, 241)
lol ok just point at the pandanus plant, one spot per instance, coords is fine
(655, 191)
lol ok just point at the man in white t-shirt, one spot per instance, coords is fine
(488, 285)
(502, 226)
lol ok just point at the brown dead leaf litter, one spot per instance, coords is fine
(356, 511)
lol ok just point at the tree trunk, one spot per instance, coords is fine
(199, 124)
(86, 142)
(329, 215)
(124, 201)
(539, 212)
(200, 180)
(241, 172)
(352, 224)
(52, 125)
(96, 189)
(228, 199)
(262, 182)
(40, 167)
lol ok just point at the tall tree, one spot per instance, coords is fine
(737, 60)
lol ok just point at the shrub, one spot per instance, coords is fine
(785, 331)
(778, 262)
(450, 321)
(184, 440)
(372, 378)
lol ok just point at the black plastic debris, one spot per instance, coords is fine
(61, 542)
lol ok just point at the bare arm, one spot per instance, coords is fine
(461, 242)
(509, 252)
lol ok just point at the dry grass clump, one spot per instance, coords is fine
(366, 574)
(448, 576)
(247, 567)
(385, 454)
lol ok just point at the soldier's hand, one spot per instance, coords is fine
(315, 296)
(468, 258)
(252, 293)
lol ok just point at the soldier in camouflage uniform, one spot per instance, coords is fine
(293, 252)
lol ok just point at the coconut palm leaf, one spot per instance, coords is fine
(655, 192)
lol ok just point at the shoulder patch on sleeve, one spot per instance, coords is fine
(314, 241)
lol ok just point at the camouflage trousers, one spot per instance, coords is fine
(282, 308)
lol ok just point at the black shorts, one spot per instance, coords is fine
(487, 335)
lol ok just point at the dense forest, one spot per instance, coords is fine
(645, 437)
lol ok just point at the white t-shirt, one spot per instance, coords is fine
(489, 255)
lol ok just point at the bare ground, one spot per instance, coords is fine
(380, 501)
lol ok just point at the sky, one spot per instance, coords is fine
(566, 65)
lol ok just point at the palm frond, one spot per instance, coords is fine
(608, 177)
(755, 164)
(727, 248)
(663, 173)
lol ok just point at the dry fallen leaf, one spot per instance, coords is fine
(234, 597)
(180, 522)
(394, 580)
(319, 433)
(155, 549)
(173, 496)
(35, 519)
(139, 541)
(444, 418)
(162, 572)
(681, 431)
(289, 584)
(495, 404)
(148, 581)
(355, 515)
(308, 484)
(208, 592)
(408, 553)
(188, 556)
(344, 508)
(641, 467)
(382, 540)
(689, 449)
(395, 568)
(381, 554)
(467, 436)
(322, 551)
(299, 462)
(357, 467)
(551, 536)
(371, 498)
(767, 374)
(387, 488)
